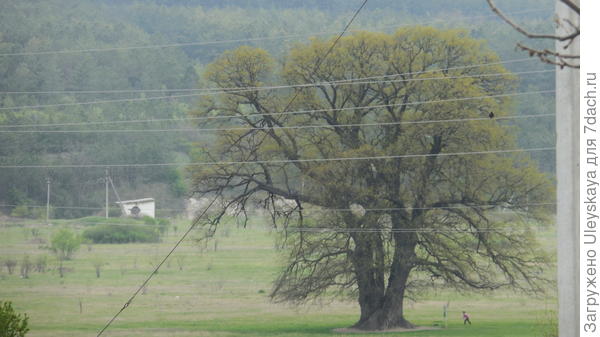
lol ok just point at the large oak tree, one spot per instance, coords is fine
(421, 206)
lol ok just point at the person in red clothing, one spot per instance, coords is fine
(466, 318)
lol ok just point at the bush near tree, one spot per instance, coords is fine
(64, 243)
(121, 234)
(11, 323)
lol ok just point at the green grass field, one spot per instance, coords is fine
(218, 293)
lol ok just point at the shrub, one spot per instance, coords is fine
(35, 232)
(40, 263)
(120, 234)
(12, 324)
(64, 243)
(10, 265)
(26, 266)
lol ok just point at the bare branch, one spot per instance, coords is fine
(521, 30)
(547, 55)
(571, 5)
(543, 55)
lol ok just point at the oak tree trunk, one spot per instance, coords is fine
(384, 309)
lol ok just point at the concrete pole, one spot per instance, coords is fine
(567, 172)
(106, 191)
(48, 202)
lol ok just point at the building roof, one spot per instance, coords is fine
(135, 201)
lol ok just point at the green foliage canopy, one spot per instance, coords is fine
(11, 323)
(65, 243)
(436, 206)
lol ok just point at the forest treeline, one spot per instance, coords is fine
(32, 80)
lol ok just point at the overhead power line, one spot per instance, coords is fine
(317, 65)
(86, 208)
(281, 161)
(59, 207)
(256, 39)
(155, 271)
(242, 90)
(364, 230)
(355, 230)
(350, 81)
(324, 126)
(292, 112)
(406, 230)
(316, 210)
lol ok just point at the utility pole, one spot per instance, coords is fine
(106, 191)
(567, 172)
(48, 201)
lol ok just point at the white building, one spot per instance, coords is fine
(138, 208)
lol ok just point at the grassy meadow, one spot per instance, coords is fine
(218, 290)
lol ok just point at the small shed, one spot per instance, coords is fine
(138, 208)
